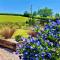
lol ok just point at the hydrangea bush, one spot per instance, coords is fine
(46, 44)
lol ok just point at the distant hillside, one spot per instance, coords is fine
(14, 14)
(12, 18)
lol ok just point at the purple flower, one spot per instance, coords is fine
(31, 47)
(19, 46)
(50, 43)
(58, 21)
(25, 53)
(54, 23)
(23, 39)
(47, 41)
(37, 58)
(39, 33)
(27, 46)
(46, 48)
(51, 26)
(57, 45)
(28, 41)
(42, 55)
(41, 48)
(48, 55)
(50, 20)
(38, 43)
(17, 52)
(46, 27)
(36, 55)
(32, 40)
(31, 58)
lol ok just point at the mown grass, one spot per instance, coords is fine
(13, 19)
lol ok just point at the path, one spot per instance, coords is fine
(7, 54)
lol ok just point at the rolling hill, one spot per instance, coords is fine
(12, 18)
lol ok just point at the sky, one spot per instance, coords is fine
(19, 6)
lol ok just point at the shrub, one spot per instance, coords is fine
(7, 32)
(17, 38)
(45, 46)
(31, 22)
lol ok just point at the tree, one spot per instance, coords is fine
(45, 12)
(34, 13)
(26, 14)
(57, 15)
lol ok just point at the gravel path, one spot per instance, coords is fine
(6, 54)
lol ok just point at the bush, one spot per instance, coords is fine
(7, 32)
(31, 22)
(46, 45)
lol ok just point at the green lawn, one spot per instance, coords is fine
(13, 19)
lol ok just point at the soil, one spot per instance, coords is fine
(7, 54)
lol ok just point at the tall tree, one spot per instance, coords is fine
(57, 15)
(34, 13)
(27, 14)
(45, 12)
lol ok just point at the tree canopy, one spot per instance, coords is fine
(45, 12)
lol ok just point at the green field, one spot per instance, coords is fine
(13, 19)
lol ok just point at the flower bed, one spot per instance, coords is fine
(46, 44)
